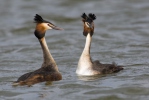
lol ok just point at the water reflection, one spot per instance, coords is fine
(90, 78)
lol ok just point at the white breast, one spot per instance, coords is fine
(84, 66)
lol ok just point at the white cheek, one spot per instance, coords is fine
(86, 24)
(46, 26)
(49, 27)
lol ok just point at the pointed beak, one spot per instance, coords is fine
(56, 28)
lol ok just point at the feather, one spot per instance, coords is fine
(84, 16)
(38, 19)
(92, 16)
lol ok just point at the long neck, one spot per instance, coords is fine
(48, 59)
(85, 64)
(86, 52)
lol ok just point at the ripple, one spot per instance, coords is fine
(121, 35)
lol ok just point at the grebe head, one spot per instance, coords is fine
(42, 26)
(88, 23)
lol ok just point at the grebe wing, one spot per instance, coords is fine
(106, 68)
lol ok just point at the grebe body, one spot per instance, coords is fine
(86, 66)
(49, 70)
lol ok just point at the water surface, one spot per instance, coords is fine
(121, 35)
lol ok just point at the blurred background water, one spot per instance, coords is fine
(121, 35)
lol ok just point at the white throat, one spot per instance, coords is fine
(85, 64)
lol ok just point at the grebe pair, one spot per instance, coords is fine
(49, 70)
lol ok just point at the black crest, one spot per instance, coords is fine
(92, 16)
(84, 16)
(38, 19)
(89, 17)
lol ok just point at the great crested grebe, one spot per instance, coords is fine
(49, 70)
(86, 66)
